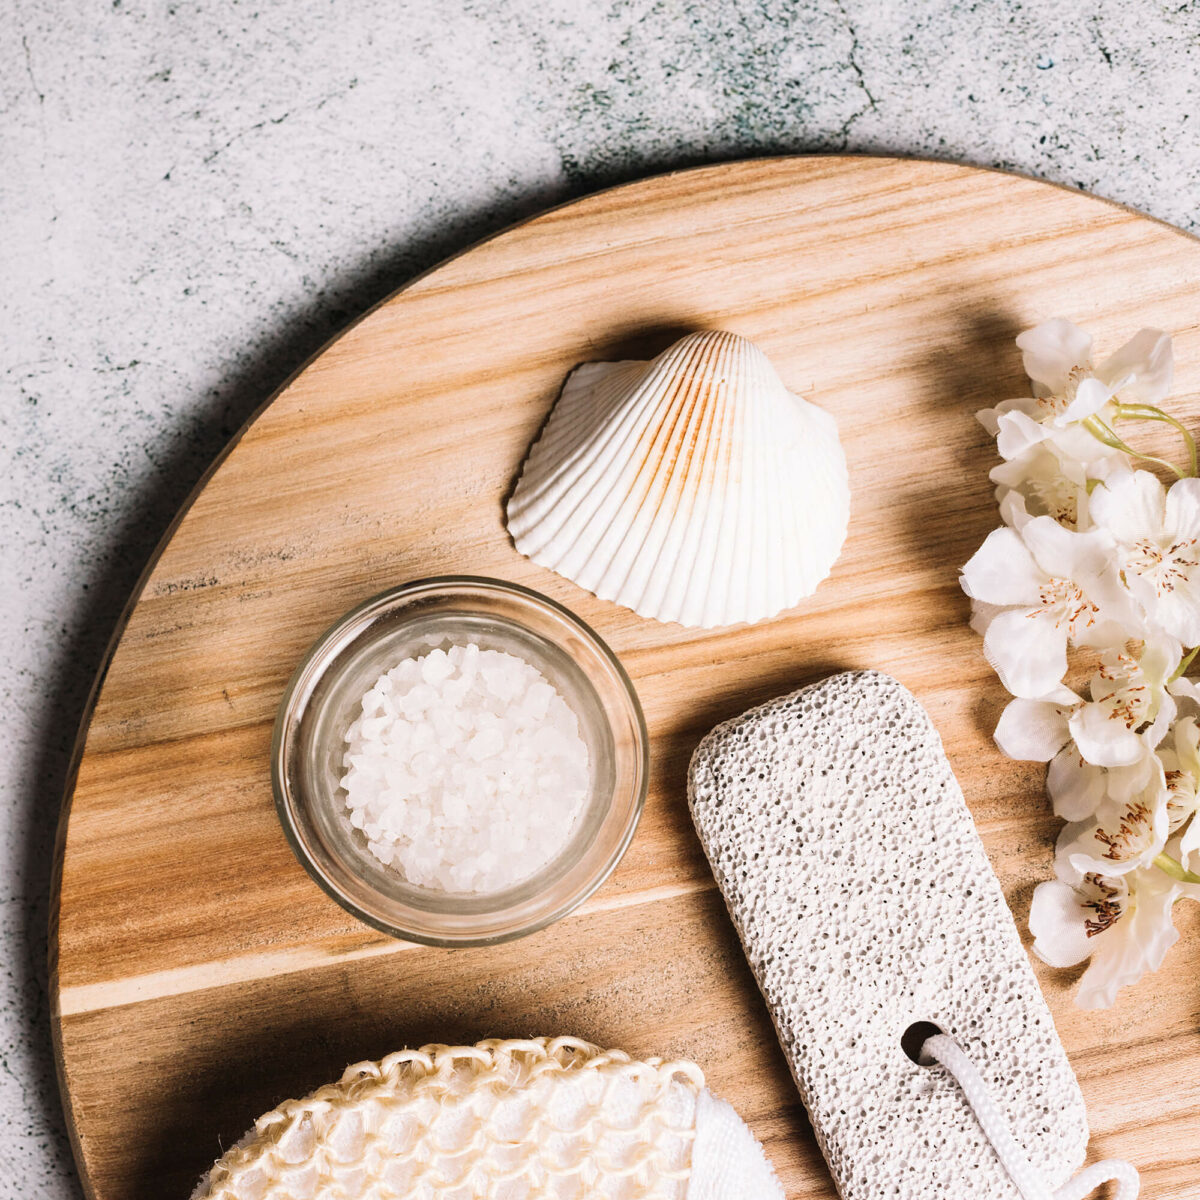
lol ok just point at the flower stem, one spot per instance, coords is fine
(1147, 412)
(1176, 869)
(1099, 430)
(1184, 663)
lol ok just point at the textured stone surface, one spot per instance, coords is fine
(866, 904)
(196, 195)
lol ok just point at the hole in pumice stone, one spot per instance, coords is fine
(915, 1036)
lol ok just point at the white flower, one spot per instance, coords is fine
(1128, 830)
(1158, 539)
(1129, 713)
(1096, 554)
(1181, 765)
(1078, 789)
(1043, 483)
(1130, 710)
(1123, 923)
(1068, 390)
(1055, 587)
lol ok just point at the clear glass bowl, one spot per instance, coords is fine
(323, 698)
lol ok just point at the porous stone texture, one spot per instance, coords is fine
(196, 195)
(865, 903)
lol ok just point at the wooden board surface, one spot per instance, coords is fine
(200, 976)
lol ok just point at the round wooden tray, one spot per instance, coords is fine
(200, 976)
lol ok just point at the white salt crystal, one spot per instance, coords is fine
(465, 769)
(436, 668)
(502, 681)
(372, 727)
(485, 743)
(537, 700)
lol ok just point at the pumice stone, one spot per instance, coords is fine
(867, 906)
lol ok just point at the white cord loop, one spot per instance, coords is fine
(946, 1051)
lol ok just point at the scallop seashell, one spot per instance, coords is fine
(693, 488)
(555, 1119)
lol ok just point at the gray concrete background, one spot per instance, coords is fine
(195, 195)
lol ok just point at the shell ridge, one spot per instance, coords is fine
(717, 600)
(590, 487)
(631, 478)
(690, 584)
(678, 487)
(830, 474)
(790, 576)
(654, 469)
(774, 585)
(568, 434)
(736, 578)
(675, 398)
(745, 546)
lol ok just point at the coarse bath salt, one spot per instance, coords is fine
(465, 771)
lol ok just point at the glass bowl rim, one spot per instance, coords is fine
(280, 737)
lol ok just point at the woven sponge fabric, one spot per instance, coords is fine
(866, 903)
(555, 1119)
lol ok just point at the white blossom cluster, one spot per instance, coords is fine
(1088, 600)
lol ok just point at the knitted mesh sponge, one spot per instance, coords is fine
(866, 903)
(502, 1120)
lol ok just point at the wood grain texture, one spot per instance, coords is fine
(200, 976)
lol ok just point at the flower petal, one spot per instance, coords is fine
(1002, 571)
(1154, 733)
(1107, 632)
(1131, 506)
(1187, 745)
(1177, 610)
(1185, 689)
(982, 615)
(1075, 442)
(1064, 554)
(1032, 730)
(1056, 921)
(989, 418)
(1075, 787)
(1189, 843)
(1142, 368)
(1028, 650)
(1090, 397)
(1012, 508)
(1103, 740)
(1159, 658)
(1182, 515)
(1123, 782)
(1017, 434)
(1052, 350)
